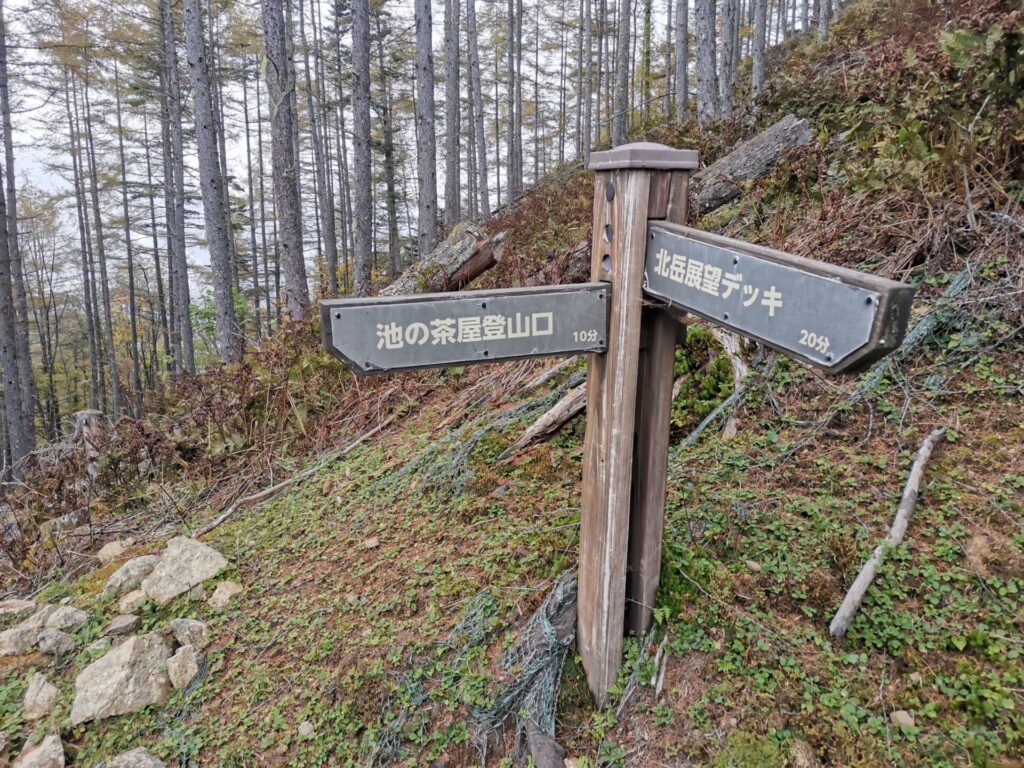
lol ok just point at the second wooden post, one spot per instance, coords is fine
(634, 182)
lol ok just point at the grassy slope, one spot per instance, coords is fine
(356, 579)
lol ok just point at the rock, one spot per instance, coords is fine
(130, 575)
(49, 753)
(140, 757)
(98, 647)
(901, 718)
(66, 618)
(184, 564)
(306, 730)
(190, 632)
(124, 624)
(21, 637)
(132, 602)
(183, 666)
(127, 679)
(371, 543)
(40, 696)
(15, 607)
(113, 550)
(198, 592)
(55, 642)
(753, 565)
(916, 678)
(223, 593)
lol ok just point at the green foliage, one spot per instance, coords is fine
(746, 750)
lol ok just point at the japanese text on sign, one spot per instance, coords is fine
(712, 280)
(463, 330)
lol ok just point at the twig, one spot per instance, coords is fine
(854, 598)
(273, 490)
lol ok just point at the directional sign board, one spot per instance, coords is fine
(378, 335)
(831, 317)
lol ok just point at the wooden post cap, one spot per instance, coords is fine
(644, 154)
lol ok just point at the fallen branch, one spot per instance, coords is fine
(731, 343)
(465, 254)
(854, 598)
(273, 490)
(720, 182)
(549, 373)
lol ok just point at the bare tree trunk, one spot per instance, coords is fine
(682, 58)
(211, 185)
(251, 199)
(514, 178)
(707, 80)
(620, 106)
(174, 192)
(824, 15)
(757, 79)
(586, 67)
(391, 192)
(476, 94)
(362, 214)
(107, 335)
(132, 314)
(19, 438)
(26, 377)
(426, 140)
(728, 56)
(324, 190)
(161, 296)
(283, 126)
(452, 130)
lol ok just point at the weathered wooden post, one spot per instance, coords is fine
(634, 182)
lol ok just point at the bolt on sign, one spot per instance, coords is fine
(648, 270)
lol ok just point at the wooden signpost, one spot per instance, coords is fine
(647, 270)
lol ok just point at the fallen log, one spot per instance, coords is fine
(574, 401)
(854, 598)
(720, 182)
(461, 257)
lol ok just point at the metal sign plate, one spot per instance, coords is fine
(377, 335)
(831, 317)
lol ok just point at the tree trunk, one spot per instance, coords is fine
(707, 80)
(452, 130)
(132, 313)
(476, 94)
(426, 141)
(280, 80)
(324, 189)
(174, 194)
(514, 179)
(620, 106)
(587, 80)
(728, 56)
(760, 18)
(682, 58)
(19, 438)
(25, 375)
(362, 214)
(824, 15)
(391, 192)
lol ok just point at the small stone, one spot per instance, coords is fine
(98, 647)
(916, 678)
(901, 718)
(802, 755)
(140, 757)
(190, 632)
(351, 598)
(185, 563)
(15, 607)
(306, 730)
(55, 642)
(113, 550)
(132, 601)
(753, 565)
(66, 618)
(499, 491)
(570, 762)
(183, 666)
(40, 697)
(326, 489)
(124, 624)
(49, 753)
(198, 592)
(130, 575)
(223, 593)
(371, 543)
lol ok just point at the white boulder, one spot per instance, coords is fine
(183, 666)
(185, 564)
(222, 595)
(66, 618)
(140, 757)
(40, 697)
(130, 575)
(190, 632)
(49, 753)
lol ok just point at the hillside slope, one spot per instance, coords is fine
(380, 593)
